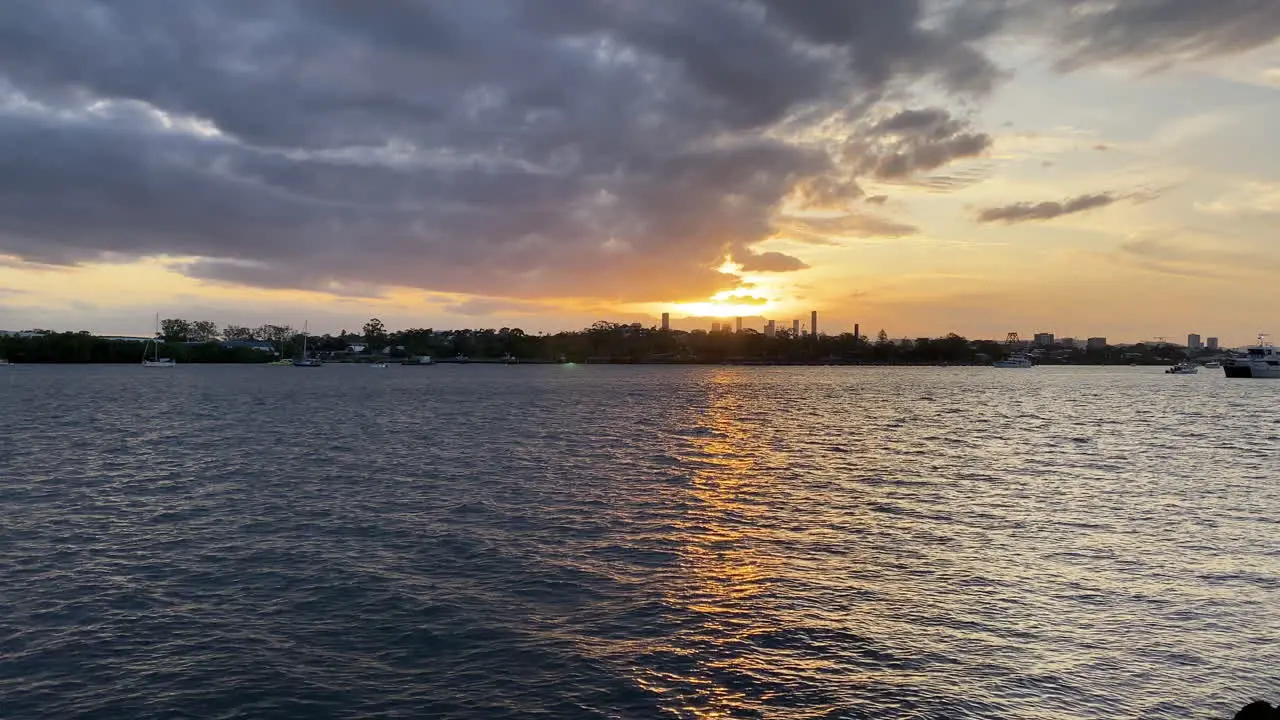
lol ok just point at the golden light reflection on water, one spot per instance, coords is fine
(723, 570)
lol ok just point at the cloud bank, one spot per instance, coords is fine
(612, 149)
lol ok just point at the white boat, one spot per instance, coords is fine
(1259, 361)
(378, 365)
(1213, 364)
(1183, 368)
(154, 345)
(1016, 360)
(305, 361)
(4, 363)
(419, 360)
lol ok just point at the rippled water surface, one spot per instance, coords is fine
(636, 542)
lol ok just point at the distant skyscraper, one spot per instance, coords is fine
(1193, 342)
(737, 325)
(1044, 339)
(813, 323)
(856, 335)
(1211, 344)
(795, 328)
(1096, 343)
(715, 327)
(771, 328)
(666, 321)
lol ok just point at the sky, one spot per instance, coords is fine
(1083, 167)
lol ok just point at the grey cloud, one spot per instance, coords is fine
(914, 141)
(511, 147)
(771, 262)
(1027, 211)
(1160, 31)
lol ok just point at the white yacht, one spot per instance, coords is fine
(1183, 368)
(1016, 360)
(154, 345)
(1259, 361)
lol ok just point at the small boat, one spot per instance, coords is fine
(4, 362)
(1183, 368)
(155, 361)
(1016, 360)
(378, 365)
(419, 360)
(1213, 364)
(510, 359)
(305, 361)
(1259, 361)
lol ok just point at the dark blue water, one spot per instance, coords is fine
(612, 542)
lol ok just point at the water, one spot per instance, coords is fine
(636, 542)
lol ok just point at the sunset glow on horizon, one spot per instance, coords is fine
(976, 169)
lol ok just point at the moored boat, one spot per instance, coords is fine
(1183, 368)
(1016, 360)
(155, 361)
(1258, 361)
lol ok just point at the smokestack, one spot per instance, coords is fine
(666, 321)
(856, 334)
(813, 323)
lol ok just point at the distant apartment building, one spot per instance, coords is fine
(1211, 344)
(737, 325)
(1067, 342)
(1193, 342)
(813, 323)
(715, 327)
(771, 329)
(666, 321)
(1044, 339)
(795, 328)
(1096, 343)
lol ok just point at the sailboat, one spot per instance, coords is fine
(305, 361)
(154, 345)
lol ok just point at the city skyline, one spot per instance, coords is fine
(923, 167)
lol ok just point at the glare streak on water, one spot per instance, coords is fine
(636, 542)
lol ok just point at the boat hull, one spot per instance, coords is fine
(1252, 370)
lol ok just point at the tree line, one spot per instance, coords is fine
(605, 342)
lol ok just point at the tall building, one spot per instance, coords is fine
(1193, 342)
(1044, 339)
(813, 323)
(666, 321)
(1096, 343)
(1212, 344)
(737, 325)
(795, 328)
(856, 336)
(1067, 342)
(771, 328)
(715, 327)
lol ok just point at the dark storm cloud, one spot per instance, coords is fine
(611, 148)
(1028, 211)
(511, 147)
